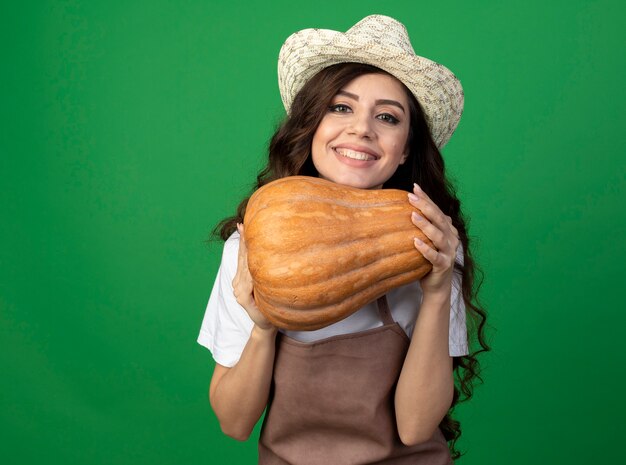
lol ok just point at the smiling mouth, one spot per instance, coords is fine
(354, 154)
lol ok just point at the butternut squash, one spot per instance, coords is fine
(318, 251)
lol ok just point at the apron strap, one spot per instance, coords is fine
(383, 311)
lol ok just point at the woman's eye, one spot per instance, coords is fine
(388, 118)
(339, 108)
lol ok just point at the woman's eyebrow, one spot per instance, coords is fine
(390, 102)
(377, 102)
(349, 95)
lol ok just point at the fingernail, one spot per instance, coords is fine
(416, 186)
(416, 216)
(413, 197)
(418, 241)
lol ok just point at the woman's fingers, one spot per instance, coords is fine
(432, 232)
(439, 229)
(243, 285)
(242, 243)
(420, 200)
(434, 224)
(242, 282)
(428, 252)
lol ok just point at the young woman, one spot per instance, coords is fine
(379, 386)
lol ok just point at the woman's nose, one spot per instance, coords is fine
(361, 126)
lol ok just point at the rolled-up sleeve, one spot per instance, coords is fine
(226, 326)
(458, 328)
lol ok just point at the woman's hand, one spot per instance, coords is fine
(440, 230)
(243, 287)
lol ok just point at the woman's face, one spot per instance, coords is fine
(362, 138)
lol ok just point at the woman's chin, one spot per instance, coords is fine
(353, 180)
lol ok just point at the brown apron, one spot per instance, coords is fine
(332, 402)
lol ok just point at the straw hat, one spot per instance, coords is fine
(383, 42)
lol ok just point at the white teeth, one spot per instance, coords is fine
(355, 155)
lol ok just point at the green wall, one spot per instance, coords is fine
(129, 128)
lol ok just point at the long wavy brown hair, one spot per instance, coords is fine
(290, 154)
